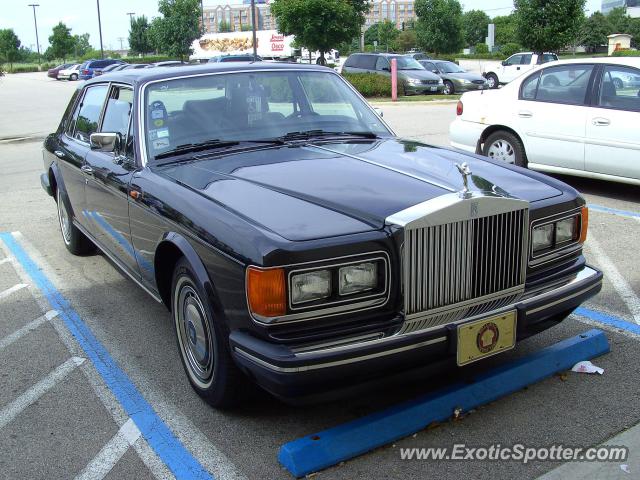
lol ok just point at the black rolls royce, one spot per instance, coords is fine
(296, 241)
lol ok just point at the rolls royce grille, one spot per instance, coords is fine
(463, 265)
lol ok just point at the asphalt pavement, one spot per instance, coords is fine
(61, 417)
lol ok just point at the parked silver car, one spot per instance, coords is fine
(456, 79)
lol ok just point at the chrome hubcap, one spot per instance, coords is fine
(491, 82)
(447, 89)
(502, 150)
(194, 334)
(65, 222)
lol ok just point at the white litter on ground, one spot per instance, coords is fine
(586, 367)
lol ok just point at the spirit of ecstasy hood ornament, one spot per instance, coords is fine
(465, 171)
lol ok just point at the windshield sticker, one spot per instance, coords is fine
(159, 133)
(161, 143)
(158, 123)
(157, 114)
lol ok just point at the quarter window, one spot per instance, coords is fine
(88, 115)
(116, 115)
(620, 89)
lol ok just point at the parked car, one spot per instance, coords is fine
(90, 68)
(307, 247)
(412, 77)
(114, 67)
(235, 58)
(419, 56)
(516, 65)
(53, 72)
(456, 79)
(168, 63)
(567, 117)
(72, 73)
(99, 70)
(135, 66)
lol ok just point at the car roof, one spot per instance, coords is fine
(630, 61)
(144, 75)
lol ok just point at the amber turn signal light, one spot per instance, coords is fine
(585, 224)
(266, 291)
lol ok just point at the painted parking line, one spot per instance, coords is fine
(12, 290)
(324, 449)
(28, 328)
(614, 211)
(16, 407)
(159, 437)
(607, 319)
(111, 453)
(4, 260)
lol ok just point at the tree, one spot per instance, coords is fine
(224, 26)
(179, 26)
(548, 25)
(319, 24)
(387, 33)
(9, 46)
(139, 40)
(475, 23)
(594, 31)
(406, 40)
(62, 42)
(81, 44)
(246, 28)
(439, 25)
(619, 20)
(505, 29)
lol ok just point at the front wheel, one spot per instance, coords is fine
(74, 77)
(448, 88)
(492, 80)
(203, 345)
(75, 241)
(506, 147)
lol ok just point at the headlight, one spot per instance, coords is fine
(567, 230)
(543, 237)
(464, 80)
(307, 287)
(440, 82)
(414, 80)
(358, 278)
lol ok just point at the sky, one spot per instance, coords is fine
(82, 17)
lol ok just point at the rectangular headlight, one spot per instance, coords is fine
(310, 286)
(358, 278)
(567, 230)
(542, 237)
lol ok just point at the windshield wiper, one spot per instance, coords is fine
(197, 147)
(309, 134)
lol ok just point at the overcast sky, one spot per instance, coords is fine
(81, 16)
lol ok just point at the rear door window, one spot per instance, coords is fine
(369, 62)
(382, 64)
(565, 84)
(514, 60)
(87, 116)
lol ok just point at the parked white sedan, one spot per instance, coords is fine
(576, 117)
(70, 73)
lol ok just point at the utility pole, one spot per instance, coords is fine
(253, 28)
(204, 29)
(35, 22)
(121, 39)
(131, 14)
(100, 29)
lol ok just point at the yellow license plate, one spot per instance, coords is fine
(486, 337)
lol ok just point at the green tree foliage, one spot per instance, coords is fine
(548, 25)
(81, 45)
(62, 42)
(475, 23)
(481, 49)
(387, 34)
(509, 49)
(439, 25)
(139, 39)
(9, 46)
(246, 28)
(224, 26)
(505, 29)
(619, 21)
(320, 24)
(174, 32)
(406, 40)
(594, 31)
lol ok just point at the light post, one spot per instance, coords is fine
(35, 22)
(100, 29)
(204, 28)
(253, 28)
(131, 14)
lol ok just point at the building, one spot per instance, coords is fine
(400, 12)
(237, 16)
(632, 6)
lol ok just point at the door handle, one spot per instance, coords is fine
(601, 122)
(517, 68)
(59, 153)
(525, 114)
(87, 169)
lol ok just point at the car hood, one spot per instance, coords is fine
(419, 74)
(464, 76)
(328, 189)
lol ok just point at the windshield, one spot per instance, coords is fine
(407, 63)
(251, 106)
(450, 67)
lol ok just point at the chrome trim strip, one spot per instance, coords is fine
(346, 361)
(337, 345)
(564, 299)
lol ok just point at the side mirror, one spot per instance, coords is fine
(504, 63)
(386, 69)
(105, 142)
(435, 71)
(379, 111)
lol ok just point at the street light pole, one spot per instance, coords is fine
(131, 14)
(100, 30)
(35, 22)
(203, 29)
(253, 28)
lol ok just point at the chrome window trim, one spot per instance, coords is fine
(567, 249)
(350, 298)
(141, 98)
(353, 307)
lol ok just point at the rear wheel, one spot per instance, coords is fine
(75, 241)
(492, 80)
(506, 147)
(203, 345)
(448, 88)
(73, 77)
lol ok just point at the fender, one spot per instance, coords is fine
(56, 179)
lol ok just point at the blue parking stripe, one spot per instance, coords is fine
(321, 450)
(158, 435)
(614, 211)
(607, 319)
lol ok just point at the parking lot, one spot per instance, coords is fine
(83, 350)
